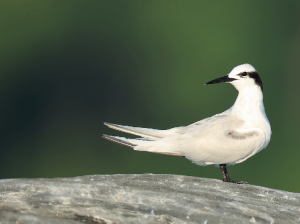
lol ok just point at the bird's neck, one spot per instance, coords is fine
(249, 102)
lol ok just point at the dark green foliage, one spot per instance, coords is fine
(68, 66)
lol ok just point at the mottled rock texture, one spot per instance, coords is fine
(143, 198)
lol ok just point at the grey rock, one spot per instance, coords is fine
(143, 198)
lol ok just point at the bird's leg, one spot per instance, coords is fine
(226, 177)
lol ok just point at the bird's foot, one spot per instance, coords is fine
(235, 182)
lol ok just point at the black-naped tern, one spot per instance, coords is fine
(224, 139)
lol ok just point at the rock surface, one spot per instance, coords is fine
(143, 198)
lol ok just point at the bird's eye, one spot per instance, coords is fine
(244, 73)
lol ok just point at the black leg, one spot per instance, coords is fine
(226, 177)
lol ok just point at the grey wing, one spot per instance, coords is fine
(154, 134)
(211, 122)
(213, 140)
(221, 139)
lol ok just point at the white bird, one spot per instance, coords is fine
(224, 139)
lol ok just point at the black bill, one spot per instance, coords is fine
(222, 79)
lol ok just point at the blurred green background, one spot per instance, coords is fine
(68, 66)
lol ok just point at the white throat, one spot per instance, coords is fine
(249, 106)
(249, 103)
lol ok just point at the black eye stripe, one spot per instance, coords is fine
(254, 75)
(243, 74)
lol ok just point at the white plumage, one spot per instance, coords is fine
(227, 138)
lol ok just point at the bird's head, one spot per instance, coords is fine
(241, 76)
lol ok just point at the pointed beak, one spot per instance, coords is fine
(222, 79)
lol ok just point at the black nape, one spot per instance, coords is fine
(257, 79)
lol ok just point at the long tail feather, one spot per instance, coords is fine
(149, 133)
(143, 132)
(122, 141)
(118, 141)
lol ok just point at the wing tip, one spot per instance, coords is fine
(111, 125)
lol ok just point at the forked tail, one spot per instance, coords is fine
(128, 143)
(118, 141)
